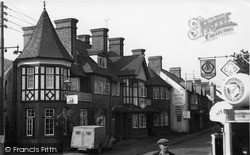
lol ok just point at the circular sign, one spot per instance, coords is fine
(236, 89)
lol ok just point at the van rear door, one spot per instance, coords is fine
(77, 138)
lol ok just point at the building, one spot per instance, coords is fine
(189, 106)
(60, 80)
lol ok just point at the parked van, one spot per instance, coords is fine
(91, 137)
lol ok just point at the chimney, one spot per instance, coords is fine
(176, 71)
(116, 45)
(100, 39)
(84, 38)
(138, 51)
(27, 34)
(155, 64)
(66, 31)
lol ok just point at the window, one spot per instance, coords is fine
(49, 122)
(166, 93)
(83, 117)
(30, 117)
(135, 121)
(49, 78)
(142, 121)
(101, 85)
(162, 92)
(139, 120)
(161, 119)
(30, 78)
(178, 118)
(115, 89)
(102, 61)
(142, 90)
(100, 117)
(155, 92)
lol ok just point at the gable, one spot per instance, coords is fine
(141, 74)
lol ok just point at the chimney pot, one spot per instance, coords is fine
(138, 51)
(66, 31)
(176, 71)
(155, 64)
(100, 39)
(116, 45)
(84, 37)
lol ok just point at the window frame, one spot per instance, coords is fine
(30, 119)
(50, 118)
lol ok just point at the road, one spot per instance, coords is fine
(200, 145)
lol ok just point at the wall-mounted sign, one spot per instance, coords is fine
(186, 114)
(208, 68)
(72, 99)
(236, 89)
(217, 112)
(230, 68)
(178, 97)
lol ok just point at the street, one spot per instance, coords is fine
(200, 145)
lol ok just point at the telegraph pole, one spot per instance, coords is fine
(2, 138)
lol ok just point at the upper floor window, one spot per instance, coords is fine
(142, 90)
(49, 77)
(43, 82)
(115, 88)
(30, 78)
(156, 92)
(101, 85)
(102, 61)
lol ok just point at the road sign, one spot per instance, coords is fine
(208, 68)
(230, 68)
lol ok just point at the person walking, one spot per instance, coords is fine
(163, 146)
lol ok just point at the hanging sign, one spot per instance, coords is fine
(72, 99)
(230, 68)
(236, 90)
(208, 68)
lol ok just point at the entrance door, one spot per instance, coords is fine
(149, 122)
(126, 124)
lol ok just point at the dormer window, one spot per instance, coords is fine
(102, 62)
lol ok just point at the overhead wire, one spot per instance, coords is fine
(21, 12)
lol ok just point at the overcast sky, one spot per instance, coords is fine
(159, 26)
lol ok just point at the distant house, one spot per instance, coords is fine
(188, 109)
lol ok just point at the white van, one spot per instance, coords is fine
(91, 137)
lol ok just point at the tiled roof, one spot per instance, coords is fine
(45, 42)
(172, 76)
(156, 80)
(90, 66)
(128, 65)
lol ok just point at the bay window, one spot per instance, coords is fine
(43, 82)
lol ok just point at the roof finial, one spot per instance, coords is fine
(44, 5)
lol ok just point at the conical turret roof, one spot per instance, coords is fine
(45, 42)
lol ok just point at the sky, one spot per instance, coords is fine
(161, 27)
